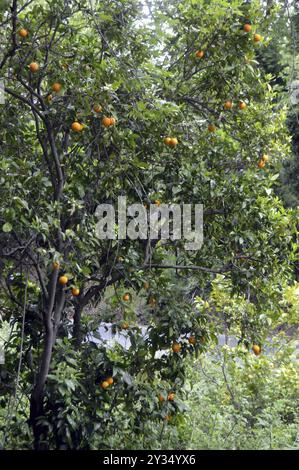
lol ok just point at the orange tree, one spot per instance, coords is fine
(164, 103)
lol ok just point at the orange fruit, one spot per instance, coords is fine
(167, 140)
(257, 38)
(109, 380)
(261, 164)
(192, 340)
(199, 54)
(106, 121)
(97, 108)
(55, 265)
(173, 142)
(75, 291)
(63, 280)
(170, 396)
(247, 27)
(265, 158)
(211, 128)
(56, 87)
(126, 297)
(242, 105)
(112, 121)
(76, 126)
(160, 398)
(228, 105)
(33, 67)
(23, 33)
(104, 385)
(176, 347)
(158, 202)
(256, 349)
(125, 325)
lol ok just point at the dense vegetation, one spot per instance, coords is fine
(163, 102)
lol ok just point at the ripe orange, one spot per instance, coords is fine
(242, 105)
(199, 54)
(247, 28)
(256, 349)
(176, 347)
(97, 108)
(160, 398)
(104, 385)
(23, 33)
(171, 396)
(33, 67)
(126, 297)
(63, 280)
(125, 325)
(228, 105)
(55, 265)
(109, 380)
(173, 142)
(112, 121)
(265, 158)
(75, 291)
(106, 121)
(261, 164)
(192, 340)
(56, 87)
(167, 140)
(257, 38)
(211, 128)
(76, 126)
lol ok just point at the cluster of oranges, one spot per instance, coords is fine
(170, 397)
(63, 280)
(106, 383)
(199, 54)
(111, 121)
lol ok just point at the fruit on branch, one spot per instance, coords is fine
(97, 108)
(75, 291)
(63, 280)
(23, 33)
(56, 87)
(34, 67)
(176, 347)
(76, 126)
(261, 164)
(228, 105)
(242, 105)
(256, 349)
(199, 54)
